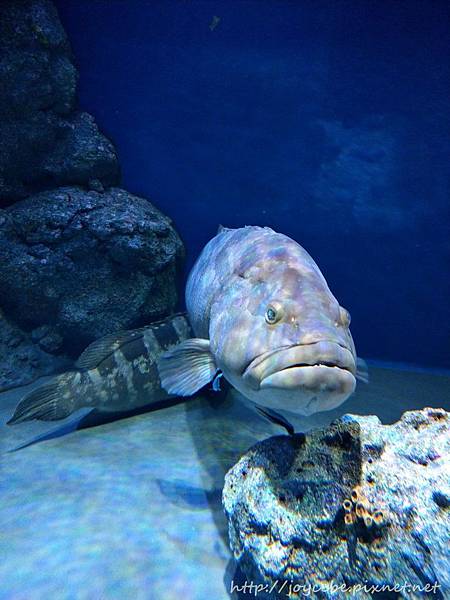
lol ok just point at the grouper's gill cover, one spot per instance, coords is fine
(263, 315)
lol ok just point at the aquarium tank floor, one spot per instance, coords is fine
(132, 509)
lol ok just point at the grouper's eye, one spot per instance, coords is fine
(345, 317)
(274, 313)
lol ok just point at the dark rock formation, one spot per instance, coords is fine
(86, 263)
(75, 262)
(25, 357)
(355, 503)
(45, 141)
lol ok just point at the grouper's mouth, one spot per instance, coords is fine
(321, 366)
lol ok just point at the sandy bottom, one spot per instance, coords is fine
(132, 509)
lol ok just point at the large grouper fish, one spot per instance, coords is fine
(264, 317)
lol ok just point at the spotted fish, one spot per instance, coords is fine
(116, 373)
(264, 317)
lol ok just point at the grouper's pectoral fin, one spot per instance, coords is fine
(362, 370)
(187, 367)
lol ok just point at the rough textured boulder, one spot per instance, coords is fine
(355, 503)
(75, 262)
(86, 263)
(45, 142)
(27, 356)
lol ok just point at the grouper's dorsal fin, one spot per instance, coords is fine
(221, 229)
(187, 367)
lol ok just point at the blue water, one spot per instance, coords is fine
(328, 121)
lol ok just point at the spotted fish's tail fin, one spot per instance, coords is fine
(51, 401)
(59, 430)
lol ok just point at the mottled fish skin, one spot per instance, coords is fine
(128, 378)
(117, 373)
(306, 361)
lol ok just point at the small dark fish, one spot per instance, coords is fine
(215, 21)
(115, 373)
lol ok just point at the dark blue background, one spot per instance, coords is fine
(328, 121)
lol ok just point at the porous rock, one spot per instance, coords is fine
(24, 357)
(89, 263)
(45, 142)
(355, 503)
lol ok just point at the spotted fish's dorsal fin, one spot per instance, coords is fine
(187, 367)
(99, 350)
